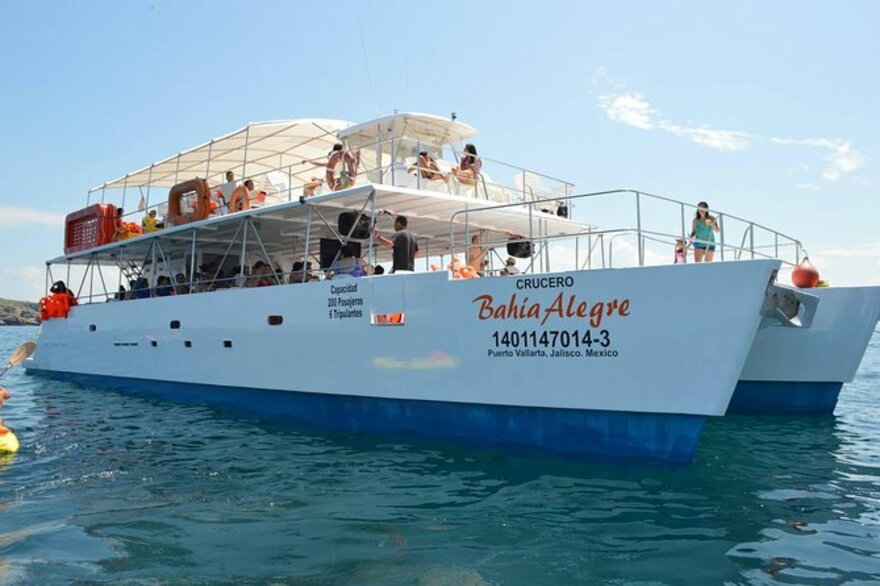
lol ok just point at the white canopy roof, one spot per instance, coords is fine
(257, 148)
(428, 128)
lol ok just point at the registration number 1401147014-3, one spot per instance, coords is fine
(551, 338)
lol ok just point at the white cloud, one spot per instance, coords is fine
(631, 109)
(634, 109)
(809, 186)
(14, 216)
(842, 156)
(22, 283)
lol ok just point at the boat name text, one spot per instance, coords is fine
(563, 306)
(544, 282)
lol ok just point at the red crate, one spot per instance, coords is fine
(89, 227)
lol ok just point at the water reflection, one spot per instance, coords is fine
(141, 489)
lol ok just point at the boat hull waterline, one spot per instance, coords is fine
(801, 371)
(599, 363)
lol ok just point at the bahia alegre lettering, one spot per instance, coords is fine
(563, 307)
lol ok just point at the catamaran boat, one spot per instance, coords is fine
(567, 337)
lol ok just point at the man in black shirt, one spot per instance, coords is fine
(403, 243)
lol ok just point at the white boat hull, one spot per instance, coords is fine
(792, 370)
(591, 362)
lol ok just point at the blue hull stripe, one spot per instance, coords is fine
(668, 438)
(784, 398)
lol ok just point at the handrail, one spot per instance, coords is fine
(640, 230)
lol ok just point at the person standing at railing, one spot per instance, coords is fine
(703, 228)
(477, 253)
(469, 167)
(403, 243)
(224, 193)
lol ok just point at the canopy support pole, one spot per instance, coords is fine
(192, 263)
(149, 185)
(247, 140)
(306, 246)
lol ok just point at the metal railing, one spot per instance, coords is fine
(525, 185)
(755, 241)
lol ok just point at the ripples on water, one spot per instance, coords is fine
(115, 488)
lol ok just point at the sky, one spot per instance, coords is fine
(768, 111)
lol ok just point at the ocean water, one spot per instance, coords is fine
(114, 488)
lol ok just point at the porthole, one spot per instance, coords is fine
(92, 327)
(227, 343)
(175, 325)
(188, 343)
(154, 343)
(275, 320)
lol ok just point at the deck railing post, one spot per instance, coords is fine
(372, 254)
(192, 263)
(306, 245)
(721, 232)
(639, 228)
(776, 245)
(418, 164)
(752, 239)
(244, 232)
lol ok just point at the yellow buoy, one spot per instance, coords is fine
(8, 441)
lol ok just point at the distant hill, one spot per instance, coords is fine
(19, 313)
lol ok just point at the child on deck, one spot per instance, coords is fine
(680, 251)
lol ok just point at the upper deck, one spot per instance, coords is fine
(505, 201)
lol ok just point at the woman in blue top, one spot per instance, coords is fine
(703, 228)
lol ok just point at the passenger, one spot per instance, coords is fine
(510, 267)
(349, 264)
(302, 272)
(428, 169)
(241, 197)
(403, 244)
(310, 187)
(265, 278)
(164, 287)
(59, 288)
(181, 287)
(703, 228)
(141, 289)
(121, 228)
(469, 167)
(224, 194)
(4, 396)
(151, 223)
(348, 163)
(680, 251)
(476, 256)
(297, 273)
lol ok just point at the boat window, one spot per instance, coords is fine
(188, 343)
(275, 320)
(92, 327)
(154, 343)
(227, 343)
(175, 325)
